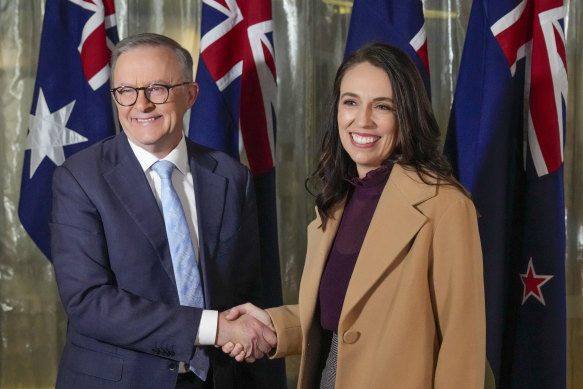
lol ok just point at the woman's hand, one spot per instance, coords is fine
(237, 350)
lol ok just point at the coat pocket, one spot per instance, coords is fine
(93, 363)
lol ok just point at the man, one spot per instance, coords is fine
(144, 260)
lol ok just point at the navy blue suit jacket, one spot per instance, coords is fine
(113, 267)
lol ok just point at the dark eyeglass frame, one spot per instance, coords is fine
(144, 88)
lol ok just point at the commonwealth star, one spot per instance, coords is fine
(48, 133)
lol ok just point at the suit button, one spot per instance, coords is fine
(351, 336)
(173, 366)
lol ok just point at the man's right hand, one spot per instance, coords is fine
(245, 336)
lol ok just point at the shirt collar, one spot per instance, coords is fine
(178, 156)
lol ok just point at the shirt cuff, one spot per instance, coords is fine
(207, 329)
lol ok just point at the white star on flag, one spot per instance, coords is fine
(48, 133)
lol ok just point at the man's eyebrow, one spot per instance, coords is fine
(159, 82)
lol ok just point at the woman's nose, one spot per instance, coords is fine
(365, 117)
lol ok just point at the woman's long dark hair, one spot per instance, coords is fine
(417, 146)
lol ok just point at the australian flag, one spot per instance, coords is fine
(235, 110)
(505, 139)
(71, 106)
(397, 22)
(235, 113)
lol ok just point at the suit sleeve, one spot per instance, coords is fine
(458, 288)
(96, 306)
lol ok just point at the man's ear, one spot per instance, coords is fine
(192, 93)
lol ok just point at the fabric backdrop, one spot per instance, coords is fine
(309, 45)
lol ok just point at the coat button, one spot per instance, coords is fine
(173, 366)
(351, 336)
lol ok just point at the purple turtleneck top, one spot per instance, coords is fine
(356, 218)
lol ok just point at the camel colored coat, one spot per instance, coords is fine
(413, 315)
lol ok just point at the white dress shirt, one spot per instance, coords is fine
(183, 184)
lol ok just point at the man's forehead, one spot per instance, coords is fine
(148, 64)
(151, 49)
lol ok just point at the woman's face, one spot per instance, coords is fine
(366, 118)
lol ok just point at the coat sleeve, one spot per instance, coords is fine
(458, 297)
(97, 307)
(286, 320)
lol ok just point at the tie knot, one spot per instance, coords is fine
(164, 169)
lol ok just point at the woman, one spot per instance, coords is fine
(392, 291)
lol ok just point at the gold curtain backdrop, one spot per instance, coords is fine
(309, 45)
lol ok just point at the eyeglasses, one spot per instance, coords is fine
(155, 93)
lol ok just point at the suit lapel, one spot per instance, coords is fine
(394, 224)
(128, 182)
(210, 191)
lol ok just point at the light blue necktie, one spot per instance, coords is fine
(186, 272)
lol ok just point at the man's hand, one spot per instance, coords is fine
(253, 338)
(237, 350)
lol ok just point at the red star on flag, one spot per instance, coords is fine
(532, 283)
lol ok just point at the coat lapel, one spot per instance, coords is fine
(320, 243)
(128, 182)
(395, 222)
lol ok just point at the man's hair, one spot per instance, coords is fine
(153, 40)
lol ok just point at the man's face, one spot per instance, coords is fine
(155, 127)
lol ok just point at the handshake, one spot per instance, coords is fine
(245, 332)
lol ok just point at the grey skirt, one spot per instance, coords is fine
(328, 378)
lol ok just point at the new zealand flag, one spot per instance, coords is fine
(506, 141)
(397, 22)
(71, 106)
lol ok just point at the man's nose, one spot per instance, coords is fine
(142, 103)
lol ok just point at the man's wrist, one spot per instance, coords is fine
(207, 329)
